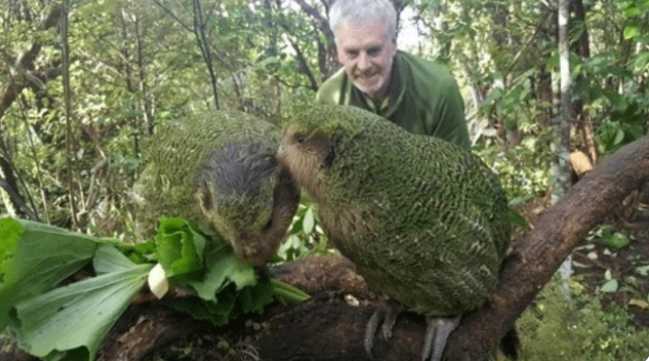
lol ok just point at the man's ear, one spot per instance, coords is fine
(339, 55)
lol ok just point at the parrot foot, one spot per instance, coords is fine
(436, 335)
(386, 316)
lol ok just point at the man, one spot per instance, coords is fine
(416, 94)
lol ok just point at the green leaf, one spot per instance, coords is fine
(308, 222)
(617, 241)
(287, 293)
(641, 61)
(255, 298)
(75, 318)
(643, 270)
(35, 257)
(619, 136)
(108, 259)
(516, 219)
(180, 248)
(610, 286)
(632, 11)
(217, 313)
(231, 303)
(631, 32)
(608, 237)
(223, 267)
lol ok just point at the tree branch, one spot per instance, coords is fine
(538, 255)
(25, 62)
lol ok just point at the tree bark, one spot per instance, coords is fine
(70, 141)
(203, 44)
(582, 48)
(331, 325)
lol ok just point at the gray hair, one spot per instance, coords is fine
(364, 11)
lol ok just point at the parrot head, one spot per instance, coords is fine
(247, 198)
(313, 137)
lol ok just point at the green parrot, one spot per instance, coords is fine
(220, 172)
(425, 221)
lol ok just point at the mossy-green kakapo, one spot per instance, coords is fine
(424, 221)
(220, 172)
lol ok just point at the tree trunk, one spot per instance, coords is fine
(561, 170)
(203, 44)
(582, 48)
(145, 97)
(70, 142)
(326, 50)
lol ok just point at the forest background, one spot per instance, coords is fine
(85, 84)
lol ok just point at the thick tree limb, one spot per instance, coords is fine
(331, 325)
(538, 255)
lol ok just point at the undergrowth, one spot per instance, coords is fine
(555, 328)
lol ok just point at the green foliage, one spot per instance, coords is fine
(35, 257)
(524, 169)
(610, 237)
(636, 14)
(557, 329)
(180, 248)
(69, 323)
(221, 270)
(305, 236)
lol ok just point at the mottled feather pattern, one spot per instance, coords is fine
(176, 163)
(242, 167)
(424, 220)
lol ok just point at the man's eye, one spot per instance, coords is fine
(373, 51)
(352, 54)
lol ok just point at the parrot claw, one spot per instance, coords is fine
(437, 333)
(386, 316)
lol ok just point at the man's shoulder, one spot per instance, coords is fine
(428, 73)
(329, 91)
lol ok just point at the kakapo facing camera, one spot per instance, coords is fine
(220, 172)
(425, 221)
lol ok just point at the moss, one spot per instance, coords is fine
(554, 328)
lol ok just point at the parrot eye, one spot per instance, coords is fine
(300, 138)
(269, 224)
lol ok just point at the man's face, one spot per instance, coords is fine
(366, 52)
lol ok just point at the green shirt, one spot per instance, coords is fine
(423, 98)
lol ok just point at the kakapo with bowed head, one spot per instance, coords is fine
(425, 221)
(220, 172)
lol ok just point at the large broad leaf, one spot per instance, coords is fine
(69, 323)
(183, 251)
(217, 313)
(35, 257)
(180, 248)
(222, 268)
(231, 303)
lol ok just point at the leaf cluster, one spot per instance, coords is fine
(56, 320)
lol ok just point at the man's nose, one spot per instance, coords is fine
(364, 62)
